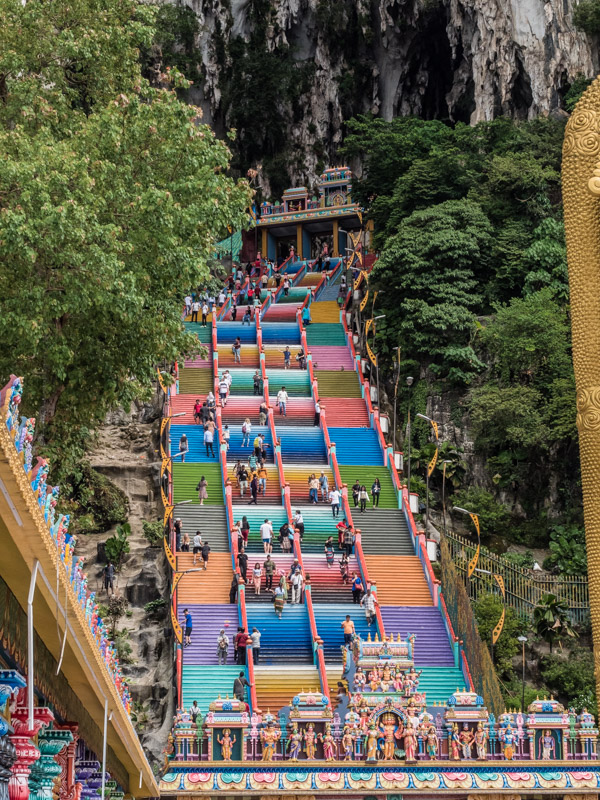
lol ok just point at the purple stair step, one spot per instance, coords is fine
(432, 648)
(208, 621)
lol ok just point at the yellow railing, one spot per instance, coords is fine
(524, 588)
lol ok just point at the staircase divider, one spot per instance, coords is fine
(227, 496)
(285, 489)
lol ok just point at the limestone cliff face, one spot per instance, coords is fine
(467, 60)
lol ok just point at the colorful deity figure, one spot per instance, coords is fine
(348, 743)
(374, 679)
(414, 676)
(295, 743)
(508, 737)
(466, 741)
(328, 744)
(371, 743)
(410, 744)
(398, 679)
(226, 743)
(411, 711)
(51, 499)
(390, 733)
(360, 680)
(386, 678)
(455, 744)
(480, 739)
(547, 746)
(310, 742)
(269, 737)
(432, 743)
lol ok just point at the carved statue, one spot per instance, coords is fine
(226, 743)
(432, 743)
(581, 198)
(481, 742)
(371, 744)
(454, 744)
(410, 744)
(295, 743)
(547, 747)
(508, 737)
(390, 734)
(360, 680)
(328, 744)
(348, 743)
(269, 738)
(466, 741)
(310, 742)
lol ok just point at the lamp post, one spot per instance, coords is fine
(445, 462)
(397, 370)
(430, 466)
(475, 521)
(523, 640)
(381, 316)
(409, 383)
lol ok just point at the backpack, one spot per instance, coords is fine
(244, 428)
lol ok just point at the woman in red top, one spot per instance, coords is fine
(197, 411)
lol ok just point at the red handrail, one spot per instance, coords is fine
(249, 660)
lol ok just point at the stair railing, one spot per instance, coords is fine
(249, 659)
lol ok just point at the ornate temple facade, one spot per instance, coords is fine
(65, 727)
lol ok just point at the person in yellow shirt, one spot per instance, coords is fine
(262, 479)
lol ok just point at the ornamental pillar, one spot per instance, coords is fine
(27, 752)
(70, 788)
(10, 683)
(47, 769)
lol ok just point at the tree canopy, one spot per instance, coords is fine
(112, 194)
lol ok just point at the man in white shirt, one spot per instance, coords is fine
(222, 297)
(188, 305)
(334, 499)
(282, 398)
(223, 389)
(197, 545)
(266, 532)
(211, 301)
(297, 581)
(299, 524)
(205, 311)
(195, 310)
(227, 377)
(369, 602)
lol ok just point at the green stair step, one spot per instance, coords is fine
(367, 474)
(195, 380)
(338, 384)
(206, 683)
(204, 334)
(325, 333)
(187, 476)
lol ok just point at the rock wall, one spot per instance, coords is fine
(126, 452)
(461, 60)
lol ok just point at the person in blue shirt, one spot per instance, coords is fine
(188, 627)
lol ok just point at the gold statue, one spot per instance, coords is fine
(581, 198)
(226, 743)
(269, 738)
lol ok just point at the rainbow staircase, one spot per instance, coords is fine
(303, 649)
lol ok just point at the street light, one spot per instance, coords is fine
(523, 640)
(409, 383)
(446, 461)
(430, 466)
(475, 521)
(381, 316)
(397, 349)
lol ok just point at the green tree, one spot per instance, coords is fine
(493, 516)
(112, 196)
(546, 260)
(488, 610)
(428, 271)
(586, 15)
(117, 546)
(551, 621)
(571, 679)
(567, 550)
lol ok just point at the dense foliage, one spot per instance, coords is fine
(112, 195)
(468, 221)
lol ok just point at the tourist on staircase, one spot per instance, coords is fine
(243, 563)
(296, 581)
(369, 602)
(222, 647)
(257, 578)
(202, 489)
(282, 398)
(349, 631)
(334, 499)
(363, 497)
(375, 492)
(324, 486)
(269, 567)
(246, 431)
